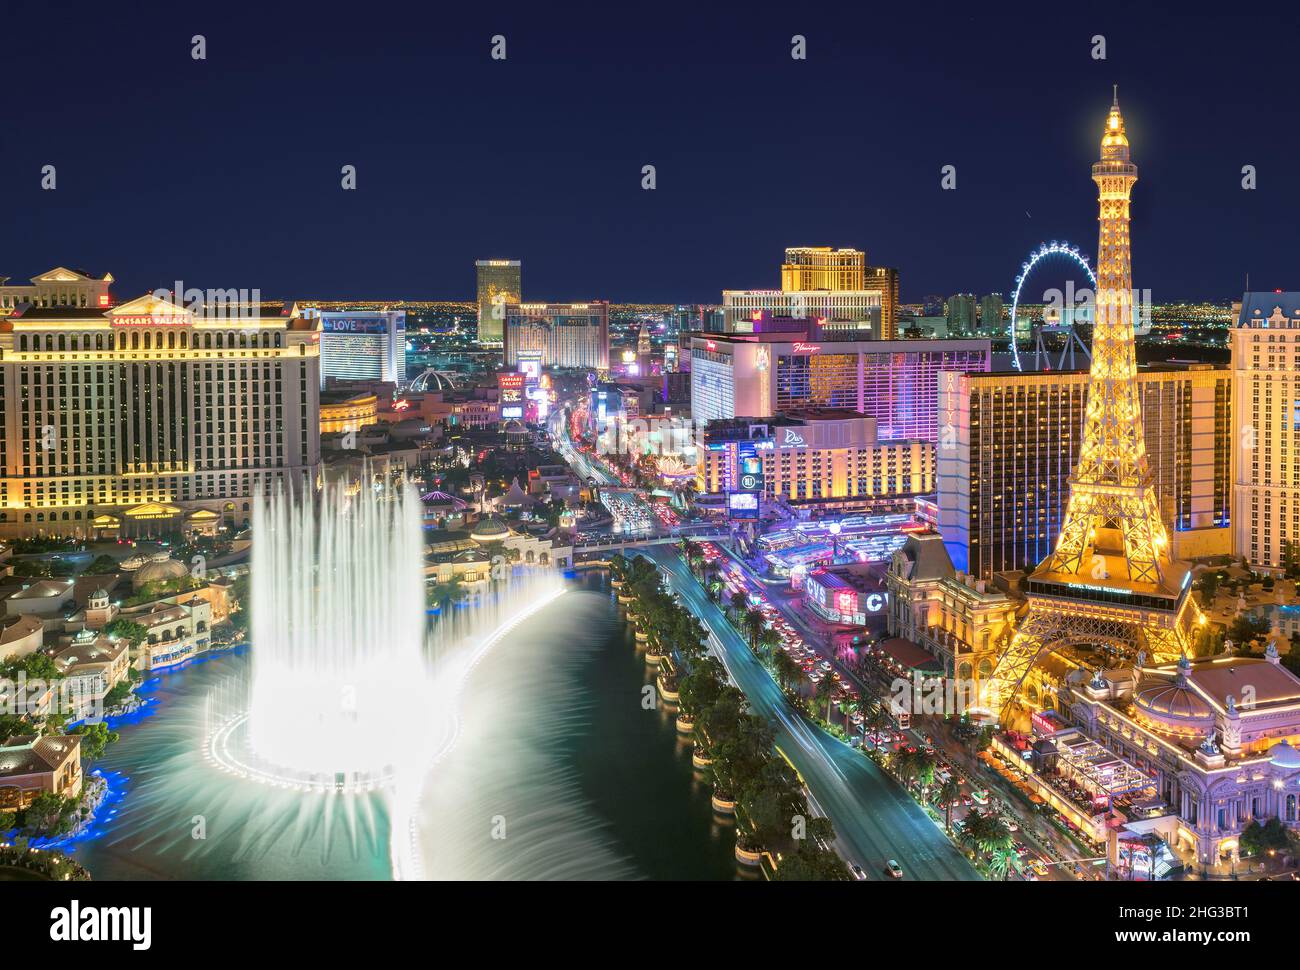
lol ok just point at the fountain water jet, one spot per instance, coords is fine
(342, 692)
(347, 696)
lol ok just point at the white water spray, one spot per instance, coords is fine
(347, 695)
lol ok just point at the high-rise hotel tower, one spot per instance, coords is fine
(150, 417)
(1111, 584)
(499, 283)
(1266, 441)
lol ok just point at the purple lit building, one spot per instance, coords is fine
(762, 374)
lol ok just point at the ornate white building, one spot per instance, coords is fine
(149, 416)
(1219, 736)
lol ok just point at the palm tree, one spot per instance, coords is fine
(905, 766)
(825, 688)
(786, 670)
(737, 601)
(924, 768)
(1001, 860)
(877, 719)
(972, 830)
(993, 838)
(754, 622)
(769, 639)
(949, 792)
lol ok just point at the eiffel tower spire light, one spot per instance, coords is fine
(1111, 581)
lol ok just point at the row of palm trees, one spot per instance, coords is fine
(987, 834)
(739, 744)
(981, 833)
(763, 640)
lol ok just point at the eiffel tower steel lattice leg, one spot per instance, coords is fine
(1111, 582)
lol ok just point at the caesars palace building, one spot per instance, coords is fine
(148, 416)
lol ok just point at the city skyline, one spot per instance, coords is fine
(723, 208)
(648, 445)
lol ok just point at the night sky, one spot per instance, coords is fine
(225, 172)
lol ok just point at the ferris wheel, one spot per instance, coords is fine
(1035, 354)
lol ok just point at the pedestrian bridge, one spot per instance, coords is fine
(632, 542)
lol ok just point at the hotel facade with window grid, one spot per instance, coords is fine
(59, 287)
(362, 345)
(894, 381)
(817, 282)
(826, 457)
(566, 334)
(1266, 398)
(144, 417)
(1008, 443)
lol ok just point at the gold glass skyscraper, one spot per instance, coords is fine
(822, 268)
(499, 283)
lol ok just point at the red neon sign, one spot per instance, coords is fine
(151, 320)
(803, 348)
(710, 345)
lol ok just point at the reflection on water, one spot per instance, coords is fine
(557, 759)
(180, 818)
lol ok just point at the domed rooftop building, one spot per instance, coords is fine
(1283, 755)
(160, 569)
(490, 529)
(1173, 707)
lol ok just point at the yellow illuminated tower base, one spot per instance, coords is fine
(1110, 583)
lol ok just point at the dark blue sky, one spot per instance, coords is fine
(225, 172)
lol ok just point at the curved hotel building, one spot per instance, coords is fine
(149, 416)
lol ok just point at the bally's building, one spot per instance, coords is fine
(1008, 443)
(150, 417)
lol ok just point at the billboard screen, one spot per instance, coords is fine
(743, 505)
(353, 325)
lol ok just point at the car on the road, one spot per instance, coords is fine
(858, 873)
(894, 869)
(1039, 867)
(981, 796)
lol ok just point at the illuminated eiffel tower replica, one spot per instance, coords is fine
(1111, 581)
